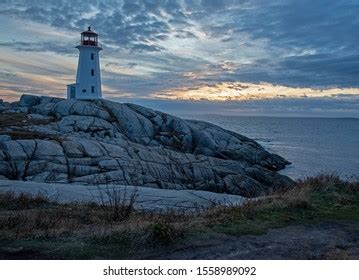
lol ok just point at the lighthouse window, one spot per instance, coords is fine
(92, 56)
(92, 72)
(92, 89)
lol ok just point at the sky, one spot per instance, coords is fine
(233, 57)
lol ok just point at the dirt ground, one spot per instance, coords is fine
(322, 241)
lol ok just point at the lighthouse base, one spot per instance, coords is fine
(74, 93)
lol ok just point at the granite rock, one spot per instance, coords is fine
(104, 142)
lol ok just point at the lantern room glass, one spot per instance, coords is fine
(89, 38)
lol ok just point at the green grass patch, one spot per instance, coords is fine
(314, 200)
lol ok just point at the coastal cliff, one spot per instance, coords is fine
(101, 142)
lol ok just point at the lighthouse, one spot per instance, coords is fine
(88, 78)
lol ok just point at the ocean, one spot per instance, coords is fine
(312, 145)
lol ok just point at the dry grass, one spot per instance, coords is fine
(325, 196)
(31, 135)
(21, 119)
(119, 202)
(18, 127)
(32, 217)
(112, 228)
(12, 201)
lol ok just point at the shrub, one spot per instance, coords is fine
(163, 233)
(117, 202)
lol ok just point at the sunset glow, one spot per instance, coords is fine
(198, 50)
(247, 91)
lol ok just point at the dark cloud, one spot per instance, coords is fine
(182, 34)
(127, 24)
(130, 8)
(213, 5)
(325, 29)
(146, 48)
(296, 43)
(342, 69)
(131, 65)
(26, 46)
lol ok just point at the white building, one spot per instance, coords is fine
(88, 78)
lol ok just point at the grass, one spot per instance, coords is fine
(20, 119)
(33, 227)
(315, 199)
(21, 127)
(11, 201)
(30, 135)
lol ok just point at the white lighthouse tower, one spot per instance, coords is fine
(88, 78)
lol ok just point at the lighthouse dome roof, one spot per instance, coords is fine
(89, 31)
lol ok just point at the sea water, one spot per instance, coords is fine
(312, 145)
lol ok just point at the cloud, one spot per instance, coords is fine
(146, 48)
(292, 107)
(152, 47)
(126, 24)
(48, 46)
(235, 91)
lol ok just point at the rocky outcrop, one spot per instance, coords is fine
(103, 142)
(146, 199)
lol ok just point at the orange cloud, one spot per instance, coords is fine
(249, 91)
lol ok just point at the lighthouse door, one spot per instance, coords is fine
(72, 92)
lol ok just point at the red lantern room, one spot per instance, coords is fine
(89, 38)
